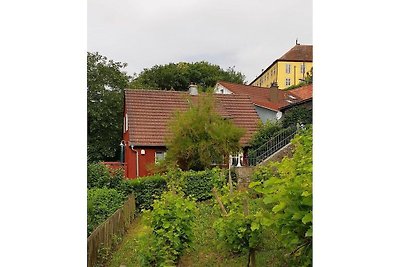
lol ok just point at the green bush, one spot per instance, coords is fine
(287, 194)
(199, 184)
(171, 221)
(263, 134)
(101, 204)
(146, 189)
(239, 232)
(100, 176)
(296, 115)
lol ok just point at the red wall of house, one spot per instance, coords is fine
(146, 161)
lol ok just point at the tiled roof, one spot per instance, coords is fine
(262, 96)
(149, 112)
(304, 92)
(299, 53)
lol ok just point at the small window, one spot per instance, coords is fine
(287, 81)
(126, 123)
(302, 68)
(160, 155)
(222, 91)
(287, 68)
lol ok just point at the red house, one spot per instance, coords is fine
(146, 117)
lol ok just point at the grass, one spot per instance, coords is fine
(206, 250)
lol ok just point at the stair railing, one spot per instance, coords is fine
(279, 140)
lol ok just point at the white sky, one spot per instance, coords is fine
(249, 35)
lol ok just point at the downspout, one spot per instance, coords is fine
(137, 160)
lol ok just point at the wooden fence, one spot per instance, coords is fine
(116, 225)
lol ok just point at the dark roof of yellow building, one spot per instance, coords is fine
(299, 53)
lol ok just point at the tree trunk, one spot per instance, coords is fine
(252, 258)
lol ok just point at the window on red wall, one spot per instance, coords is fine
(160, 155)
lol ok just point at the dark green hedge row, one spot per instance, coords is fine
(146, 189)
(101, 204)
(100, 176)
(199, 184)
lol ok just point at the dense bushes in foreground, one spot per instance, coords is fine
(171, 222)
(101, 204)
(146, 189)
(287, 192)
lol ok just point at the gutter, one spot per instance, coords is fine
(137, 160)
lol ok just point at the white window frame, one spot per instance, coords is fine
(303, 68)
(126, 123)
(288, 68)
(155, 156)
(287, 81)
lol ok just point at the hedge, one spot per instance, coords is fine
(101, 204)
(146, 189)
(199, 184)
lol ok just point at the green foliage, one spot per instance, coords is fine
(101, 204)
(197, 184)
(178, 76)
(287, 194)
(146, 189)
(100, 176)
(240, 232)
(103, 255)
(242, 229)
(264, 133)
(200, 137)
(105, 84)
(171, 221)
(296, 115)
(262, 173)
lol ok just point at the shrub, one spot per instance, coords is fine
(200, 136)
(239, 232)
(287, 194)
(100, 176)
(171, 222)
(199, 184)
(101, 204)
(146, 189)
(296, 115)
(263, 134)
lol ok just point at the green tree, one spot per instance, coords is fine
(105, 84)
(178, 76)
(201, 137)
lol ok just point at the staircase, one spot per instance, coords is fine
(277, 142)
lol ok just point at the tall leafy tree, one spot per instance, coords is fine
(178, 76)
(201, 137)
(105, 84)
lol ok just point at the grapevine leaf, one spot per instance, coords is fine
(309, 232)
(279, 207)
(307, 218)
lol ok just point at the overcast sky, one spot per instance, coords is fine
(246, 34)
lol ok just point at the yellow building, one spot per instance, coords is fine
(289, 69)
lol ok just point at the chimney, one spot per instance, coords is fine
(274, 92)
(193, 89)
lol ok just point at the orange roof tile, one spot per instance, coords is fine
(149, 112)
(262, 96)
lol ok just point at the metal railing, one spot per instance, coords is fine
(279, 140)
